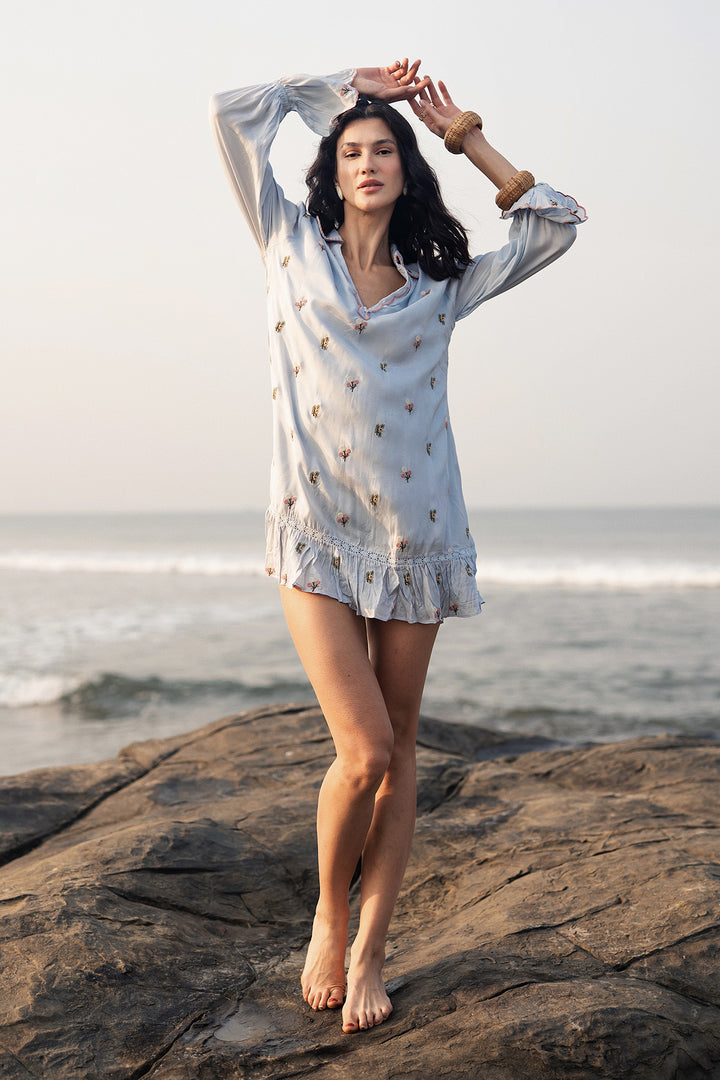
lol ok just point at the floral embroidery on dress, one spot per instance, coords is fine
(468, 570)
(441, 318)
(383, 366)
(344, 452)
(369, 577)
(428, 446)
(352, 385)
(374, 499)
(275, 393)
(289, 501)
(467, 533)
(417, 342)
(406, 474)
(437, 615)
(379, 428)
(315, 411)
(433, 516)
(409, 405)
(335, 562)
(433, 380)
(285, 262)
(296, 370)
(324, 342)
(401, 543)
(406, 577)
(313, 585)
(454, 608)
(300, 547)
(279, 325)
(300, 303)
(360, 325)
(269, 570)
(342, 519)
(314, 476)
(438, 577)
(425, 292)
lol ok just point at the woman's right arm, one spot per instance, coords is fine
(245, 123)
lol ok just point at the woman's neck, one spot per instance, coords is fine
(366, 240)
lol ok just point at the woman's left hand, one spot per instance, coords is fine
(396, 82)
(434, 106)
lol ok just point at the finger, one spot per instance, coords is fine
(445, 93)
(421, 89)
(413, 70)
(434, 96)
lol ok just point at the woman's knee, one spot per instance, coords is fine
(365, 765)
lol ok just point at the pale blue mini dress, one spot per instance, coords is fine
(366, 501)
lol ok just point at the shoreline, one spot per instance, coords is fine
(560, 900)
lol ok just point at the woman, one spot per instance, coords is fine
(367, 530)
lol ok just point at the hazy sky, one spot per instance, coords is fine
(132, 330)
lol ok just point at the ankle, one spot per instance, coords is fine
(332, 914)
(367, 954)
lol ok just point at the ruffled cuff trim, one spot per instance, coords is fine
(318, 99)
(546, 202)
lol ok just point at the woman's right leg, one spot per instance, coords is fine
(332, 644)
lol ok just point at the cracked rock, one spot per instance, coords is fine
(560, 916)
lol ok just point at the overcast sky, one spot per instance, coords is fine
(132, 330)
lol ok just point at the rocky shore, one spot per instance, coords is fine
(560, 916)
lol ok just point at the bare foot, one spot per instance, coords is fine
(323, 977)
(367, 1003)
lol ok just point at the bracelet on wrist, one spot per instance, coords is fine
(455, 134)
(514, 189)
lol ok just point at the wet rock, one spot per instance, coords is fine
(560, 916)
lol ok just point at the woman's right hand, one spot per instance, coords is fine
(396, 82)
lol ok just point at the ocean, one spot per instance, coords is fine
(598, 625)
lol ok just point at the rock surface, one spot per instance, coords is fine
(560, 916)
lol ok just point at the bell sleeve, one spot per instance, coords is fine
(245, 123)
(543, 228)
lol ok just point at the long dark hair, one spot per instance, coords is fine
(421, 226)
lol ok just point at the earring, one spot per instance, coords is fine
(339, 192)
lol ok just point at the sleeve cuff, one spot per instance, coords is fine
(546, 202)
(319, 100)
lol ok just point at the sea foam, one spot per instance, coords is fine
(572, 572)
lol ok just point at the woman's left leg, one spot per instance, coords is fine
(400, 653)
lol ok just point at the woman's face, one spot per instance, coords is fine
(369, 167)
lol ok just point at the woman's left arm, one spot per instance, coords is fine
(544, 220)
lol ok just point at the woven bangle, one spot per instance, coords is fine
(455, 134)
(515, 188)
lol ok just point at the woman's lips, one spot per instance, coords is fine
(370, 185)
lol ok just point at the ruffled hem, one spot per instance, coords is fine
(546, 202)
(416, 590)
